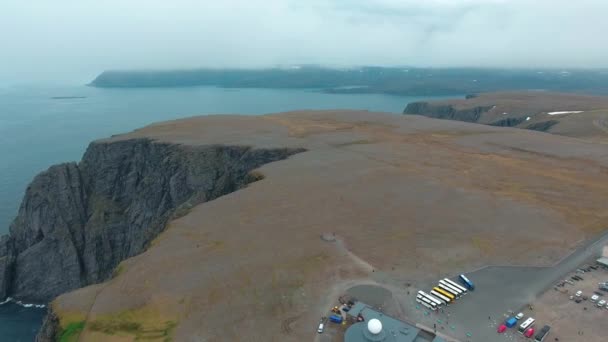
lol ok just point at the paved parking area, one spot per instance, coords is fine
(499, 290)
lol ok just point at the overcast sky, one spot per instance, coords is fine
(76, 39)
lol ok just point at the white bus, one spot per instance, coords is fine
(442, 297)
(426, 302)
(458, 286)
(525, 325)
(454, 289)
(449, 290)
(433, 299)
(428, 306)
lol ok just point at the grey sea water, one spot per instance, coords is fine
(45, 125)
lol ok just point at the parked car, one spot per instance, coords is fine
(501, 329)
(529, 333)
(335, 319)
(519, 316)
(579, 293)
(320, 329)
(510, 323)
(601, 303)
(594, 298)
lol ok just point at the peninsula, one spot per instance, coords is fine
(366, 79)
(216, 228)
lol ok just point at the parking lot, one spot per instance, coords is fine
(502, 292)
(572, 321)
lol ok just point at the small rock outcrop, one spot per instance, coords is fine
(439, 111)
(543, 126)
(509, 122)
(77, 221)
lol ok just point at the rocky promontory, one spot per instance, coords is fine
(573, 115)
(446, 111)
(147, 239)
(78, 221)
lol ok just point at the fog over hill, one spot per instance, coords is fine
(64, 39)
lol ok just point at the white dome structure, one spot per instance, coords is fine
(374, 326)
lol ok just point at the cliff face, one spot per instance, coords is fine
(446, 111)
(50, 328)
(78, 221)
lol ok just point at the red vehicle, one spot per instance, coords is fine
(529, 333)
(501, 328)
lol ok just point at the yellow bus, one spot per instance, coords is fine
(445, 293)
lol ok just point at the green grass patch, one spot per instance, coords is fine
(71, 332)
(127, 323)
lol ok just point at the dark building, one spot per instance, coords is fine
(378, 327)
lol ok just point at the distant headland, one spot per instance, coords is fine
(67, 97)
(367, 79)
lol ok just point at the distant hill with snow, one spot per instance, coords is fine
(580, 116)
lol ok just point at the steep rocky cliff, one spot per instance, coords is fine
(78, 221)
(440, 111)
(50, 327)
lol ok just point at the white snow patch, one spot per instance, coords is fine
(565, 112)
(528, 118)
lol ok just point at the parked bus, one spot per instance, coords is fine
(429, 304)
(458, 286)
(442, 297)
(454, 289)
(449, 290)
(433, 299)
(445, 293)
(525, 325)
(466, 282)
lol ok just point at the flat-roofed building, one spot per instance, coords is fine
(378, 327)
(603, 261)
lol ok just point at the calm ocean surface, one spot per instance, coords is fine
(37, 131)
